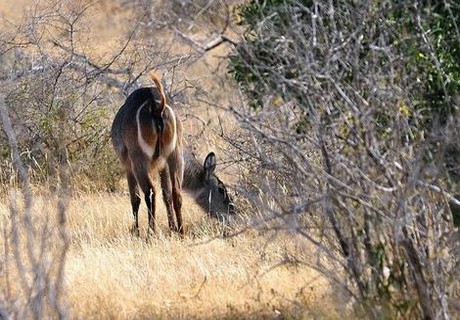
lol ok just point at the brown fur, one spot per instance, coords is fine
(160, 90)
(159, 151)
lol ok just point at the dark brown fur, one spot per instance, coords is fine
(145, 115)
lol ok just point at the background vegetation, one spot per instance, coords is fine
(337, 125)
(353, 108)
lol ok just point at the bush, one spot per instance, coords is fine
(347, 127)
(61, 99)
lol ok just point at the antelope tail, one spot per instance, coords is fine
(161, 92)
(158, 113)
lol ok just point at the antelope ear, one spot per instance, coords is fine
(210, 164)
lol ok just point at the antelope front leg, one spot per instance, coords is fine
(176, 172)
(167, 197)
(177, 202)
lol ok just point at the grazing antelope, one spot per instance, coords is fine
(205, 187)
(147, 137)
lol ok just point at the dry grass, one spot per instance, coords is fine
(110, 274)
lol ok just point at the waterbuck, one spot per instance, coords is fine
(205, 187)
(147, 137)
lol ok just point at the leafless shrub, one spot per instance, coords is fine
(56, 84)
(34, 249)
(337, 154)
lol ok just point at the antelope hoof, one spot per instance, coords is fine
(134, 231)
(150, 232)
(173, 228)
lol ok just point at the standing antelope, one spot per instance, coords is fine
(147, 137)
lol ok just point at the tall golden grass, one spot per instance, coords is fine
(110, 274)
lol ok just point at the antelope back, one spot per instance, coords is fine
(137, 125)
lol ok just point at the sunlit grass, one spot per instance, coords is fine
(111, 274)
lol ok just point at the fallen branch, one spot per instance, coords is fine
(220, 39)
